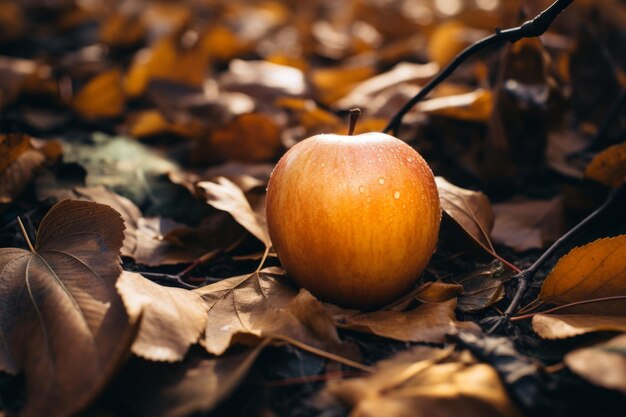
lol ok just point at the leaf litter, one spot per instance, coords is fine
(197, 104)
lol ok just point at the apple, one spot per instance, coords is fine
(353, 219)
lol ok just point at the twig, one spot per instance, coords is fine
(561, 307)
(529, 29)
(525, 276)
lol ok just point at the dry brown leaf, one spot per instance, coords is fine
(609, 166)
(62, 321)
(528, 224)
(198, 384)
(404, 72)
(483, 287)
(603, 364)
(426, 382)
(429, 322)
(103, 96)
(469, 209)
(253, 137)
(127, 209)
(263, 305)
(161, 241)
(12, 145)
(172, 319)
(224, 195)
(602, 315)
(15, 178)
(475, 106)
(595, 270)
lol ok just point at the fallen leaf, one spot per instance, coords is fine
(224, 195)
(575, 320)
(102, 96)
(469, 209)
(162, 241)
(172, 319)
(15, 178)
(563, 145)
(528, 224)
(121, 164)
(62, 320)
(426, 382)
(263, 80)
(429, 322)
(483, 287)
(404, 72)
(609, 166)
(603, 364)
(475, 106)
(252, 137)
(127, 209)
(331, 84)
(263, 305)
(595, 270)
(177, 58)
(12, 145)
(197, 385)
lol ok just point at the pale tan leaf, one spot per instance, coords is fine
(470, 209)
(595, 270)
(603, 364)
(528, 224)
(172, 319)
(196, 385)
(263, 305)
(224, 195)
(425, 382)
(429, 322)
(575, 320)
(62, 321)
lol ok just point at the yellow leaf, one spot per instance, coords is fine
(103, 96)
(331, 84)
(609, 166)
(595, 270)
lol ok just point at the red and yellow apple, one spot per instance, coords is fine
(353, 219)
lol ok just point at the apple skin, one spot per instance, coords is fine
(353, 219)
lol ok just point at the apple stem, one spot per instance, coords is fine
(354, 116)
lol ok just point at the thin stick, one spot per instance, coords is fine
(561, 307)
(525, 276)
(30, 245)
(323, 354)
(529, 29)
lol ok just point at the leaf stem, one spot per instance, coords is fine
(561, 307)
(30, 245)
(323, 353)
(529, 29)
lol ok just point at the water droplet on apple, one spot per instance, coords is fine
(396, 195)
(361, 189)
(323, 164)
(381, 180)
(410, 159)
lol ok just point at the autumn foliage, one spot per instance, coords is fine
(137, 274)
